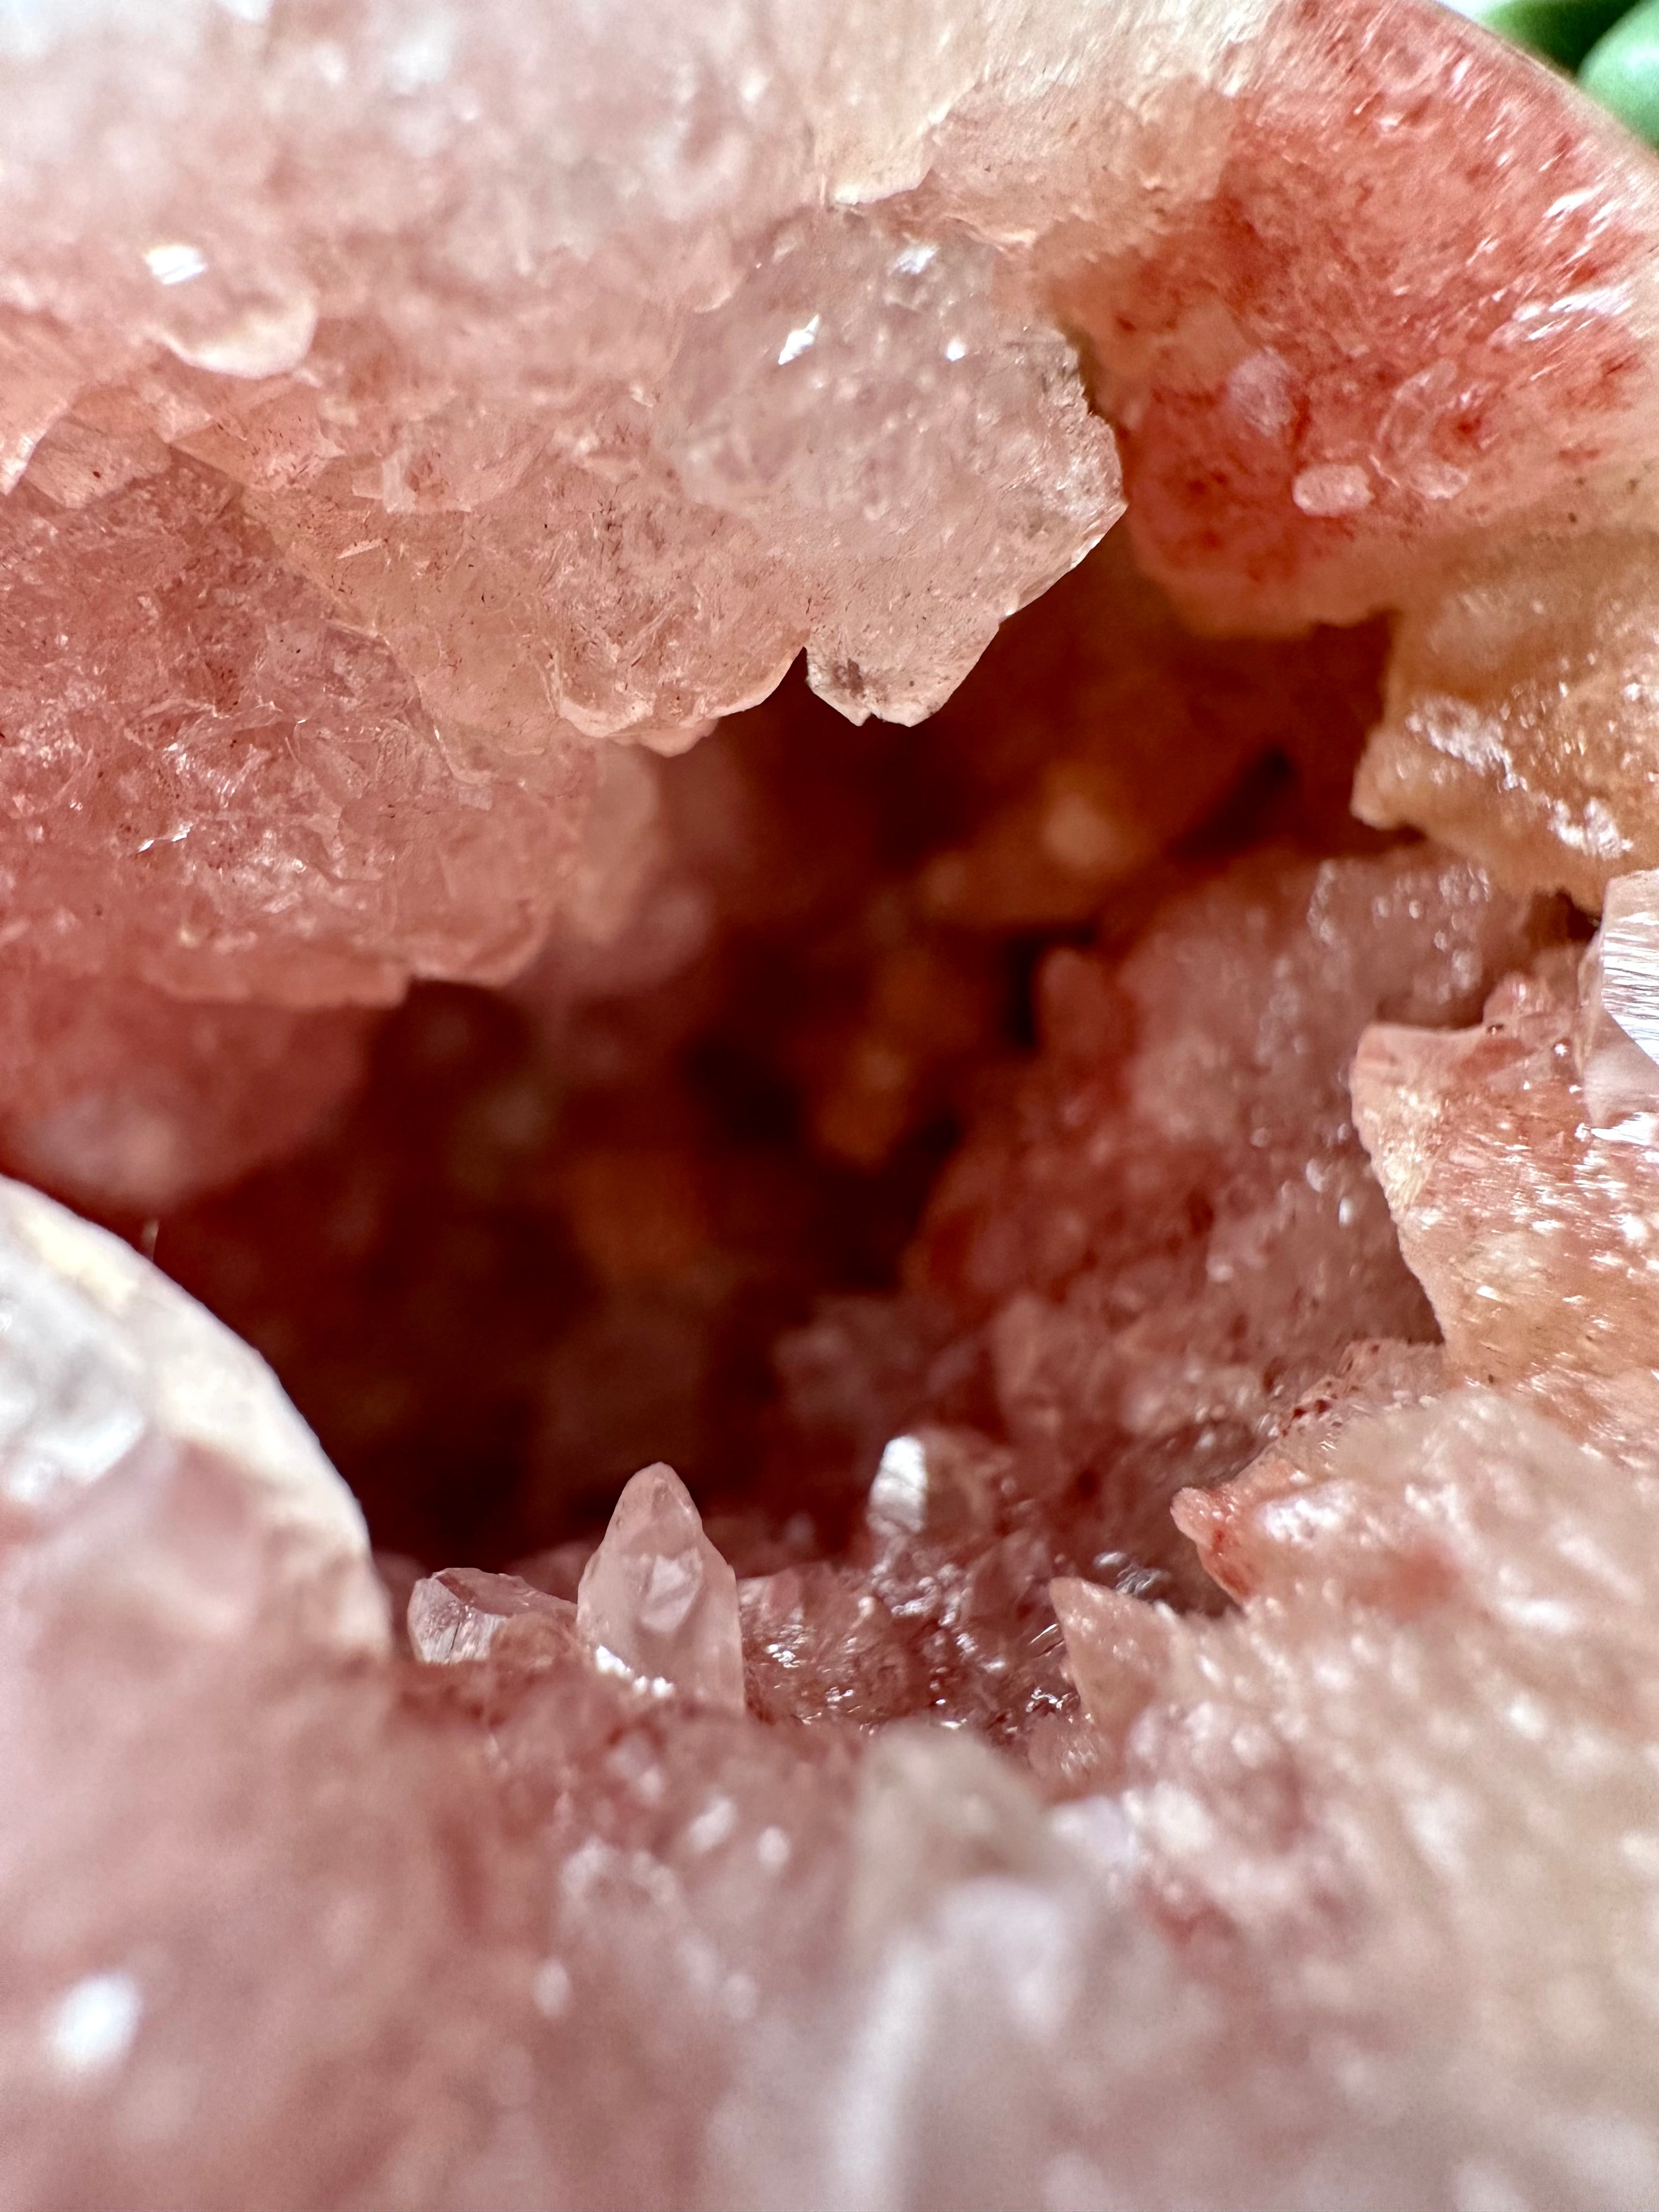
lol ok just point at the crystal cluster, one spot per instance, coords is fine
(1520, 716)
(987, 1366)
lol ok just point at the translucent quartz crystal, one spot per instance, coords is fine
(819, 1644)
(865, 401)
(1150, 1251)
(941, 1608)
(127, 1410)
(1616, 1034)
(1519, 723)
(696, 1955)
(451, 418)
(461, 1612)
(1337, 1811)
(657, 1601)
(936, 1483)
(1235, 1527)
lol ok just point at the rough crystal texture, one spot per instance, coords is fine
(1144, 1261)
(395, 404)
(1233, 1525)
(697, 1955)
(1394, 292)
(922, 462)
(1392, 1808)
(1519, 723)
(453, 405)
(1530, 1227)
(796, 953)
(214, 783)
(1424, 1722)
(657, 1600)
(1170, 1229)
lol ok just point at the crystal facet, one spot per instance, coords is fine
(657, 1601)
(459, 1613)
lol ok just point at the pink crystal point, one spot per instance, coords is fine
(658, 1598)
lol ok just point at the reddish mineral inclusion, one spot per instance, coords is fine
(872, 1435)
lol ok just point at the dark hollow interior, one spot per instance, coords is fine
(531, 1257)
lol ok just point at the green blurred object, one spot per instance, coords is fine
(1563, 31)
(1622, 72)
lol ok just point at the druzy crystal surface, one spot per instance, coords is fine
(850, 809)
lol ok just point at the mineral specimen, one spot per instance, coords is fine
(454, 412)
(1141, 1689)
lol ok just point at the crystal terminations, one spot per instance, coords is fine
(1170, 1718)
